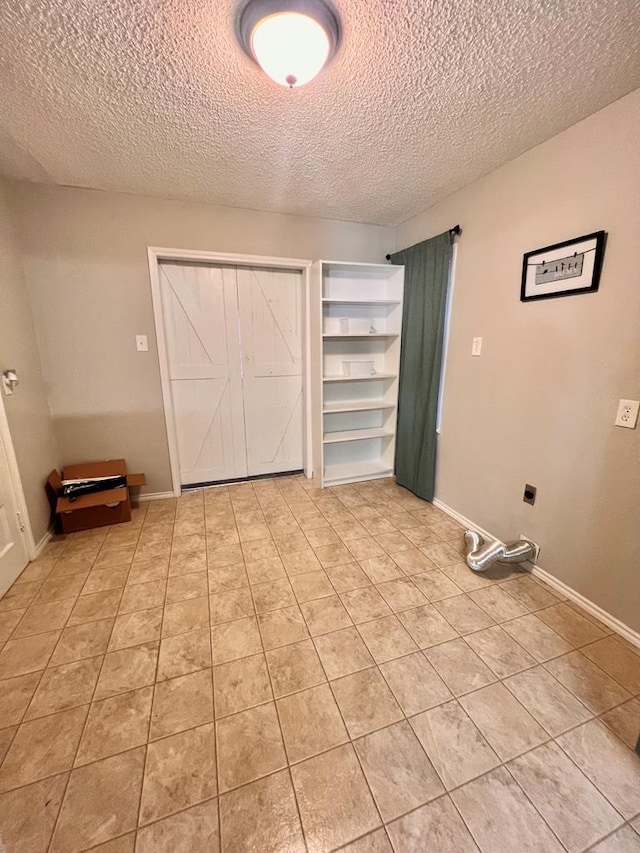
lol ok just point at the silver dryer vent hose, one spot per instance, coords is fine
(480, 556)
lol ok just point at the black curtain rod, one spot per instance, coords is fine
(453, 232)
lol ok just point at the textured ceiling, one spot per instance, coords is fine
(155, 97)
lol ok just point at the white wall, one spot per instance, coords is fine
(538, 406)
(86, 264)
(27, 411)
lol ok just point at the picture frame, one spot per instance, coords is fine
(563, 269)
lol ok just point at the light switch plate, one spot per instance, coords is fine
(476, 347)
(141, 343)
(627, 414)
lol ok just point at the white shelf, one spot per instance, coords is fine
(368, 378)
(353, 426)
(353, 472)
(328, 301)
(368, 270)
(356, 406)
(360, 335)
(356, 435)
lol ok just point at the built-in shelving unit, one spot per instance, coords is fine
(356, 320)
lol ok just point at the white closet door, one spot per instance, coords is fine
(201, 324)
(271, 328)
(13, 550)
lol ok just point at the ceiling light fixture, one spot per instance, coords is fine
(291, 40)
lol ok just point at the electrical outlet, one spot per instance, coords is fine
(627, 414)
(141, 343)
(529, 496)
(535, 545)
(476, 346)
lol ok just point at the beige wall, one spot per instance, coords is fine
(86, 263)
(538, 406)
(27, 412)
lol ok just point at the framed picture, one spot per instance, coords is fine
(563, 269)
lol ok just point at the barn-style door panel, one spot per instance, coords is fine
(234, 351)
(270, 304)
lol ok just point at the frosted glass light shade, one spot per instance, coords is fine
(290, 47)
(291, 40)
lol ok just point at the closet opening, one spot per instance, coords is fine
(233, 357)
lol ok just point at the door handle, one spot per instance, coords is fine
(9, 380)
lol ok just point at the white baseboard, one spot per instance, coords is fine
(461, 519)
(610, 621)
(606, 618)
(154, 496)
(42, 544)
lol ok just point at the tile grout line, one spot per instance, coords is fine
(447, 791)
(575, 696)
(468, 827)
(385, 827)
(21, 720)
(284, 743)
(583, 773)
(356, 626)
(465, 636)
(500, 680)
(549, 739)
(627, 823)
(311, 637)
(503, 764)
(84, 726)
(153, 698)
(213, 687)
(350, 741)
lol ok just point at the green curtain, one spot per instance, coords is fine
(426, 277)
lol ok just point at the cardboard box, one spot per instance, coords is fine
(95, 510)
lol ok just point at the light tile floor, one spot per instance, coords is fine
(270, 667)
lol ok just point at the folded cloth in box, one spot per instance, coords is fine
(74, 488)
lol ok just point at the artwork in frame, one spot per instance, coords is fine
(563, 269)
